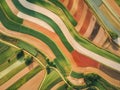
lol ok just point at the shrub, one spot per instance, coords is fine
(28, 60)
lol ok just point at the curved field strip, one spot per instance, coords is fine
(27, 10)
(33, 83)
(69, 6)
(17, 77)
(82, 18)
(12, 25)
(90, 27)
(79, 10)
(65, 2)
(85, 23)
(29, 39)
(74, 7)
(84, 61)
(77, 82)
(106, 61)
(100, 38)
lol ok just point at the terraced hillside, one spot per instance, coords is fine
(59, 45)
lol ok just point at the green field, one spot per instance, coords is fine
(76, 75)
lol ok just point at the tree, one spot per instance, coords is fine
(28, 60)
(20, 54)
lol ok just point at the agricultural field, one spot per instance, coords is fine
(59, 45)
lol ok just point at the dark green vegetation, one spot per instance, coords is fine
(28, 60)
(76, 75)
(50, 80)
(25, 78)
(113, 35)
(9, 12)
(85, 43)
(118, 2)
(12, 25)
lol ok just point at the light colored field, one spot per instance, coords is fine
(33, 83)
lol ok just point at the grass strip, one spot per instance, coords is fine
(76, 75)
(27, 47)
(8, 11)
(25, 78)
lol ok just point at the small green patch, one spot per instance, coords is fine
(118, 2)
(76, 75)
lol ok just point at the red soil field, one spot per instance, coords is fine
(84, 61)
(86, 23)
(70, 4)
(79, 10)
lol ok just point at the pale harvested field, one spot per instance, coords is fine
(33, 83)
(18, 76)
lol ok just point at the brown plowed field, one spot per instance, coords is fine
(84, 61)
(79, 10)
(69, 6)
(86, 23)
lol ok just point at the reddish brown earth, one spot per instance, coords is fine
(79, 10)
(86, 22)
(69, 6)
(84, 61)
